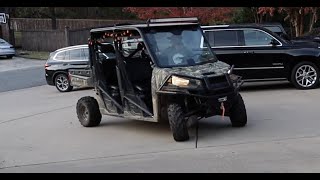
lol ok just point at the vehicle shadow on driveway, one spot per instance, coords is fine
(81, 88)
(143, 127)
(266, 86)
(206, 127)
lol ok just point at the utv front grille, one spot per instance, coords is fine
(217, 82)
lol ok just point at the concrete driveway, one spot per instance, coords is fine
(39, 132)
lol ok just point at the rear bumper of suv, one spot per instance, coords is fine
(49, 77)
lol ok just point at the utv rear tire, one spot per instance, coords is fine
(238, 113)
(177, 123)
(88, 112)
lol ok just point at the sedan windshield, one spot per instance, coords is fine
(178, 46)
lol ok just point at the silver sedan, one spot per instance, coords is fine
(6, 49)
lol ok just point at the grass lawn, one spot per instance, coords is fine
(41, 55)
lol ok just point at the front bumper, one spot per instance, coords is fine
(212, 87)
(209, 98)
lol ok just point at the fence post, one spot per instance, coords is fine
(66, 35)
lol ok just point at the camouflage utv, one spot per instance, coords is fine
(139, 73)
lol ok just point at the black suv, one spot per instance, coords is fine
(280, 30)
(61, 60)
(260, 54)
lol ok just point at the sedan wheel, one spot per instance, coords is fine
(62, 83)
(305, 75)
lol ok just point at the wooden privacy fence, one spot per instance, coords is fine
(36, 36)
(79, 36)
(45, 40)
(22, 24)
(50, 40)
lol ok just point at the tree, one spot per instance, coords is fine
(206, 15)
(53, 17)
(299, 17)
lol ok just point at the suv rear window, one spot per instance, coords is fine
(60, 56)
(223, 38)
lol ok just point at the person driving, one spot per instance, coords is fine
(177, 52)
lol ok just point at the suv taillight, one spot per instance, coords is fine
(46, 66)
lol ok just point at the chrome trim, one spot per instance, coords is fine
(73, 47)
(215, 26)
(266, 79)
(201, 46)
(277, 67)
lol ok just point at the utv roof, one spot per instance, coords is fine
(152, 23)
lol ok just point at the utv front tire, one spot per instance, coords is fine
(238, 113)
(177, 122)
(88, 112)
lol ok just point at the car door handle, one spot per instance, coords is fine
(64, 64)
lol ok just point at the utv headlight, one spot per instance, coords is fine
(177, 81)
(183, 82)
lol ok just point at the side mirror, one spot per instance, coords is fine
(274, 42)
(317, 39)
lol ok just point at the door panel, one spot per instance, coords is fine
(252, 56)
(81, 77)
(133, 105)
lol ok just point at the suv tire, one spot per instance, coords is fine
(305, 70)
(62, 83)
(238, 113)
(177, 122)
(88, 112)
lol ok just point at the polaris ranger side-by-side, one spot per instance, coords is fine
(141, 72)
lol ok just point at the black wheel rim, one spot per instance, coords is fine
(84, 113)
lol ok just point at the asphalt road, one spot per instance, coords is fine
(23, 78)
(39, 132)
(20, 73)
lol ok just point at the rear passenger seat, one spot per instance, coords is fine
(139, 72)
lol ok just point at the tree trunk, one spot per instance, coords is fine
(296, 24)
(291, 29)
(53, 17)
(261, 18)
(313, 18)
(255, 14)
(301, 23)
